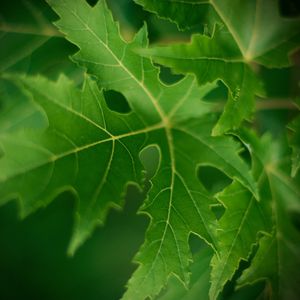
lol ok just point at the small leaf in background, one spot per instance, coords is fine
(277, 256)
(30, 43)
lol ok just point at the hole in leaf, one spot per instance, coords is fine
(219, 94)
(289, 8)
(116, 102)
(244, 151)
(230, 286)
(218, 209)
(246, 156)
(213, 179)
(196, 243)
(253, 291)
(167, 77)
(130, 15)
(295, 219)
(92, 2)
(150, 158)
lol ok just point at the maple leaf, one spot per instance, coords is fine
(94, 152)
(237, 233)
(277, 258)
(232, 52)
(246, 223)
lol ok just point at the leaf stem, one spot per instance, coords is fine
(275, 104)
(266, 104)
(46, 30)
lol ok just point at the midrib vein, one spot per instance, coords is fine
(169, 137)
(230, 28)
(173, 170)
(248, 54)
(165, 122)
(233, 244)
(142, 86)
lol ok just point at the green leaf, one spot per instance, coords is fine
(237, 233)
(245, 220)
(93, 152)
(295, 144)
(36, 167)
(278, 255)
(209, 54)
(233, 52)
(199, 287)
(256, 39)
(186, 14)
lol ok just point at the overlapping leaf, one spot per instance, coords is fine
(230, 54)
(94, 152)
(245, 220)
(79, 152)
(295, 144)
(277, 258)
(16, 111)
(186, 14)
(30, 43)
(237, 233)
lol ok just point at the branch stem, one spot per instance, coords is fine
(275, 104)
(267, 104)
(46, 30)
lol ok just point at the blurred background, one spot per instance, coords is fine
(33, 259)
